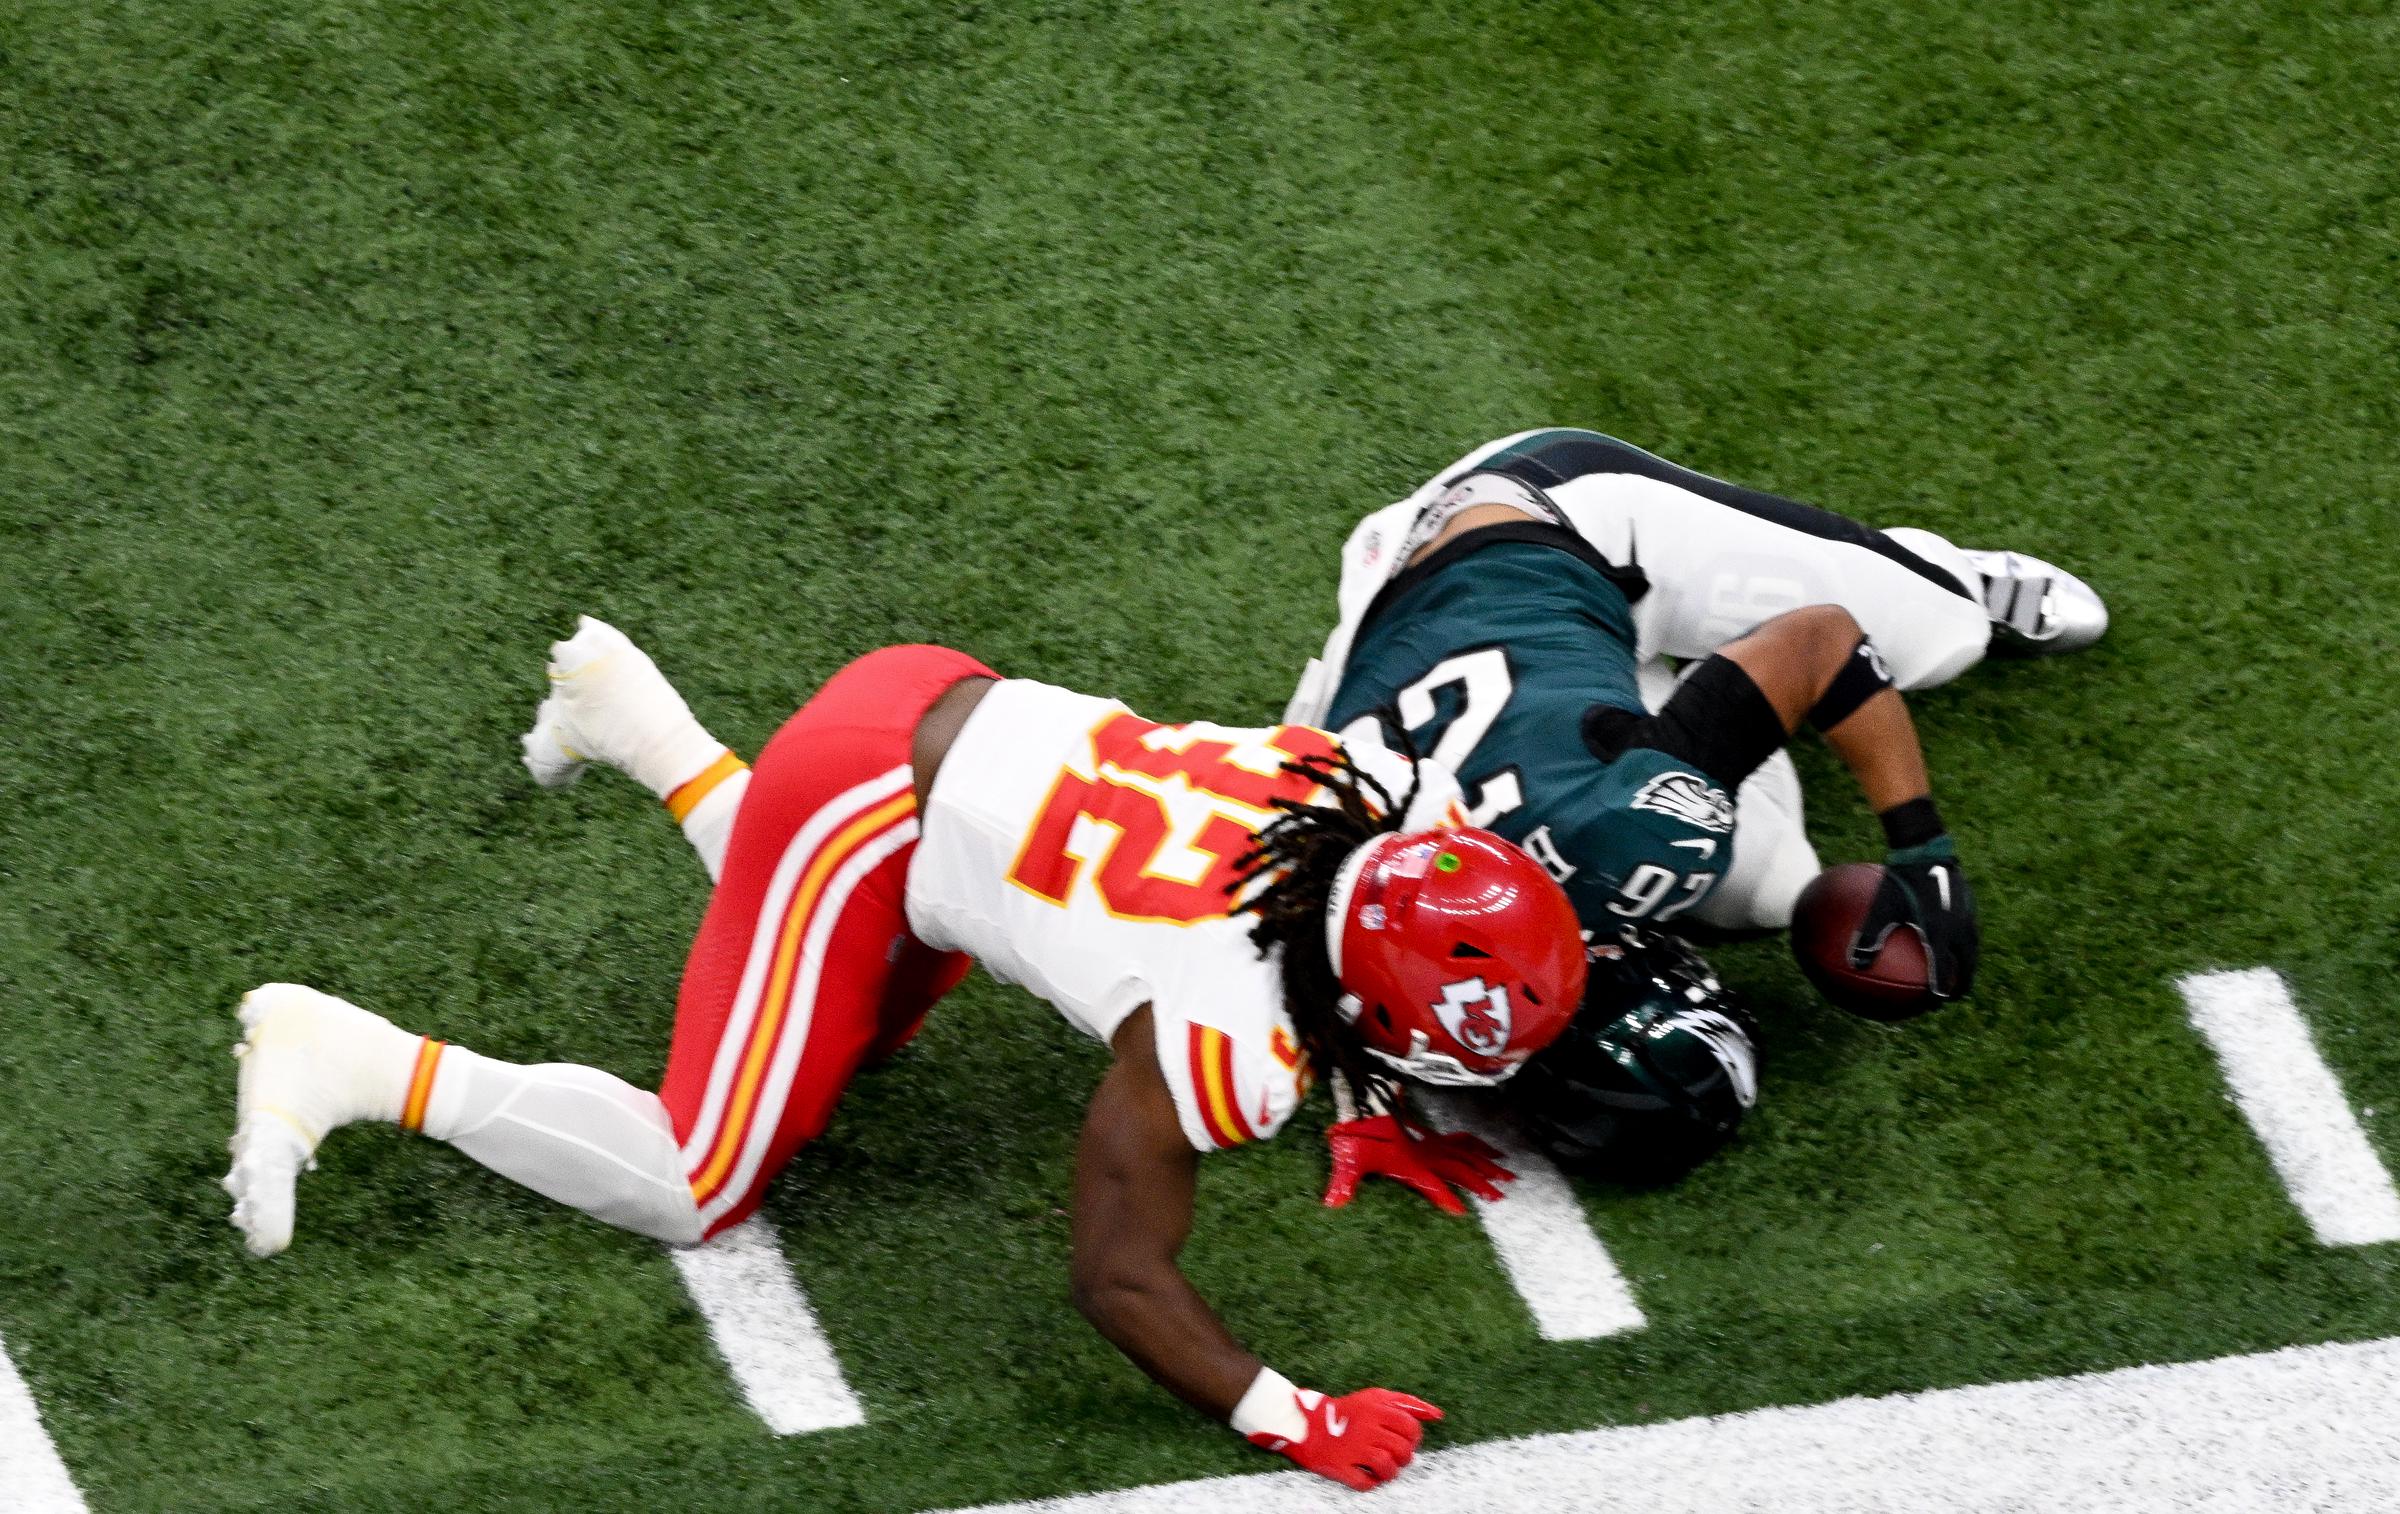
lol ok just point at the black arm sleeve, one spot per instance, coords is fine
(1718, 722)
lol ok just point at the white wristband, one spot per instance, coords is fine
(1271, 1407)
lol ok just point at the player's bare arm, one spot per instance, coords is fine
(1134, 1179)
(1817, 665)
(1796, 659)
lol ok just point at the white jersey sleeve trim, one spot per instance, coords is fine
(1229, 1089)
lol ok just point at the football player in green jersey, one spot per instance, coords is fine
(1514, 616)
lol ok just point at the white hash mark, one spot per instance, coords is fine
(32, 1478)
(763, 1326)
(2291, 1099)
(1545, 1242)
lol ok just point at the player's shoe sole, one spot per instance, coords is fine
(311, 1063)
(2037, 609)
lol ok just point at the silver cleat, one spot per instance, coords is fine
(2037, 609)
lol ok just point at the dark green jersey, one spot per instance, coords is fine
(1493, 653)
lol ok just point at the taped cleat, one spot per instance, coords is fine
(310, 1064)
(268, 1157)
(2037, 608)
(609, 703)
(552, 762)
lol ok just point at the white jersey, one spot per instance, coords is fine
(1079, 850)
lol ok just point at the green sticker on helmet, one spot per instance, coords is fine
(1448, 862)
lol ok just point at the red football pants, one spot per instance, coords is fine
(805, 965)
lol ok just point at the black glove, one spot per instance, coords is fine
(1923, 889)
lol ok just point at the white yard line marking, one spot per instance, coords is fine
(2294, 1104)
(1545, 1242)
(2309, 1428)
(762, 1324)
(32, 1478)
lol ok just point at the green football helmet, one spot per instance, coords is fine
(1654, 1074)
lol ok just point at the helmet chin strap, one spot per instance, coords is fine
(1422, 1065)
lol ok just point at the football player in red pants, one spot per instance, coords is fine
(922, 812)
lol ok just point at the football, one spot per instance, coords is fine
(1896, 985)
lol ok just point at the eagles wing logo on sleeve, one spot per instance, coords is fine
(1687, 797)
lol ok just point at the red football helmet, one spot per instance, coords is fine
(1457, 955)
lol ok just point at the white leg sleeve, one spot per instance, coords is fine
(571, 1133)
(709, 826)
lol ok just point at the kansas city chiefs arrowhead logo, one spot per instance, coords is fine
(1688, 797)
(1476, 1016)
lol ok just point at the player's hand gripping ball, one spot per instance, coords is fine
(1895, 979)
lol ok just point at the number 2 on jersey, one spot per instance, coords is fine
(1128, 792)
(1484, 684)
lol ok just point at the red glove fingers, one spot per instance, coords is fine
(1409, 1404)
(1360, 1440)
(1428, 1164)
(1466, 1161)
(1432, 1190)
(1348, 1167)
(1467, 1143)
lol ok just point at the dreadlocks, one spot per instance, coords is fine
(1293, 864)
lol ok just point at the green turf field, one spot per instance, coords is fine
(348, 351)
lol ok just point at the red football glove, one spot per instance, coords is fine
(1359, 1440)
(1428, 1163)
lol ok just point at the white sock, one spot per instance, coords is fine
(571, 1133)
(674, 756)
(708, 825)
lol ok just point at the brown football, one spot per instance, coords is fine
(1895, 985)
